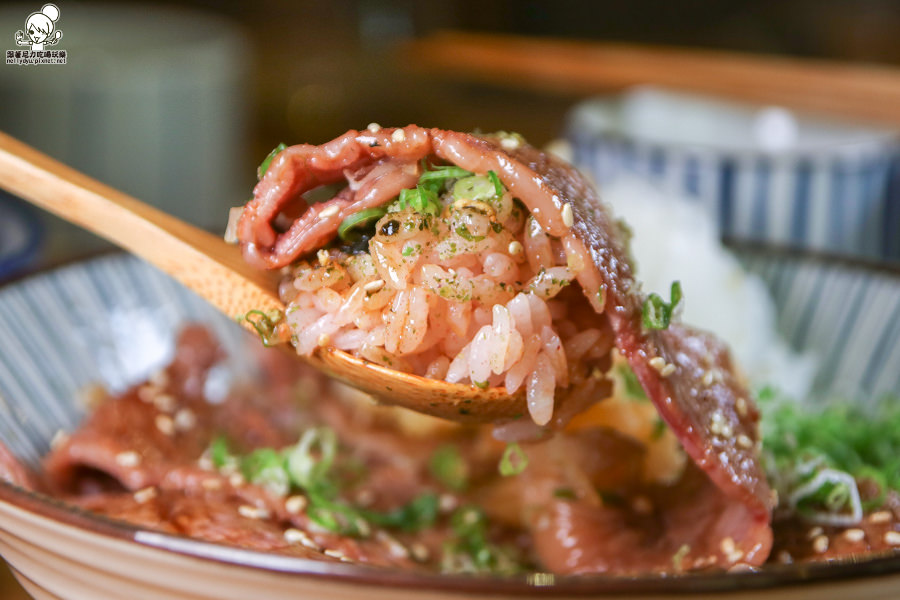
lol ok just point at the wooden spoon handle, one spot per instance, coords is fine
(198, 259)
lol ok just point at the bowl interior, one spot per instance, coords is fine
(111, 321)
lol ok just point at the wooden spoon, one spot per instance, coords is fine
(215, 270)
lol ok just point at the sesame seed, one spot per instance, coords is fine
(236, 480)
(744, 441)
(165, 424)
(164, 402)
(374, 127)
(882, 516)
(185, 419)
(206, 463)
(295, 536)
(741, 406)
(396, 549)
(515, 247)
(447, 503)
(510, 143)
(252, 512)
(334, 554)
(59, 438)
(667, 370)
(854, 535)
(146, 393)
(211, 484)
(892, 538)
(374, 286)
(159, 378)
(820, 544)
(419, 552)
(295, 504)
(727, 545)
(708, 378)
(814, 532)
(324, 256)
(642, 505)
(658, 363)
(145, 495)
(329, 211)
(568, 216)
(398, 136)
(129, 458)
(323, 340)
(785, 558)
(365, 497)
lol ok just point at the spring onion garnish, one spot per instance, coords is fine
(265, 467)
(463, 232)
(498, 186)
(359, 220)
(513, 461)
(264, 166)
(470, 550)
(309, 461)
(474, 187)
(443, 172)
(420, 513)
(449, 468)
(311, 466)
(657, 314)
(421, 199)
(265, 324)
(219, 453)
(816, 457)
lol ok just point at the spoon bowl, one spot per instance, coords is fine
(215, 270)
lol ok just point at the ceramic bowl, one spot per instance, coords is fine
(765, 174)
(111, 320)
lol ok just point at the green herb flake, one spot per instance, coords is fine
(264, 323)
(513, 461)
(449, 468)
(498, 186)
(463, 232)
(349, 228)
(657, 314)
(264, 166)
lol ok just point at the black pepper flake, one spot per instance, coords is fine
(391, 227)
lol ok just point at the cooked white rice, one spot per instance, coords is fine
(479, 294)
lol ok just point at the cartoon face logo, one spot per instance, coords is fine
(39, 29)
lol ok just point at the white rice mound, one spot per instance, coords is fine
(676, 239)
(478, 294)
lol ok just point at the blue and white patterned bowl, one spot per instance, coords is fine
(112, 321)
(20, 236)
(764, 174)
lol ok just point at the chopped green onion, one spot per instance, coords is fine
(657, 314)
(448, 467)
(418, 514)
(564, 493)
(264, 323)
(265, 467)
(268, 160)
(359, 220)
(309, 461)
(475, 187)
(498, 186)
(463, 232)
(440, 173)
(219, 453)
(421, 199)
(513, 461)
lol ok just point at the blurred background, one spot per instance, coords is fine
(177, 103)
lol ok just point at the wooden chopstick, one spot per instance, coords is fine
(864, 91)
